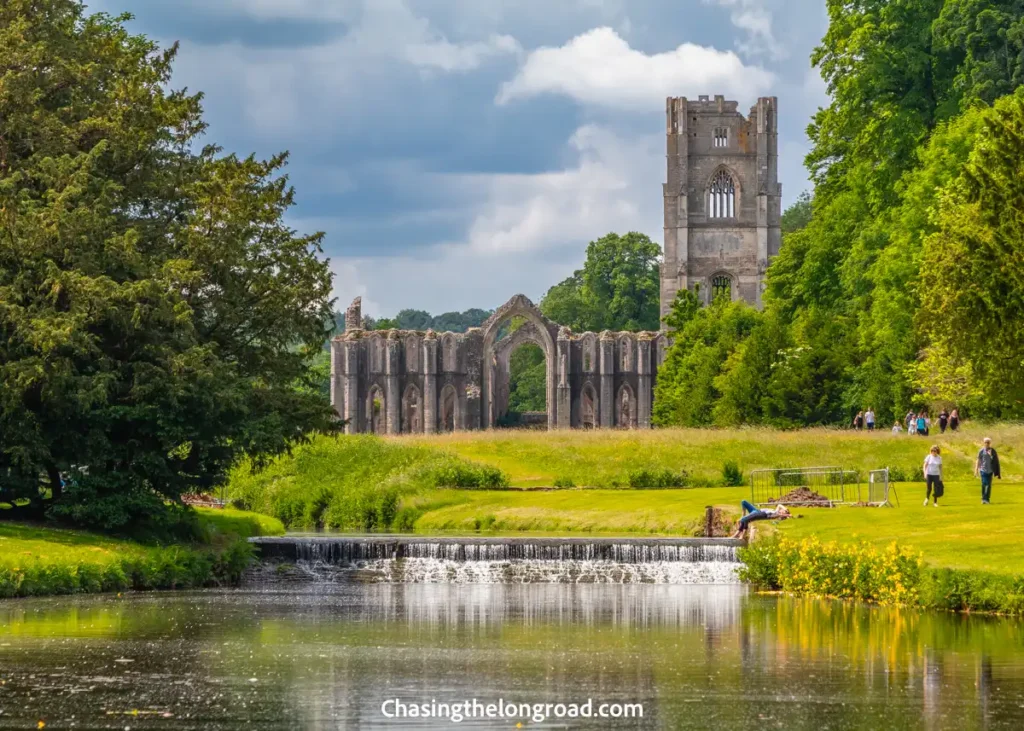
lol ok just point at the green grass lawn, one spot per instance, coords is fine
(961, 533)
(43, 559)
(604, 458)
(368, 483)
(22, 544)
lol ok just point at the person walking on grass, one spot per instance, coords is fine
(954, 419)
(987, 466)
(858, 421)
(869, 418)
(911, 423)
(752, 513)
(943, 421)
(896, 428)
(933, 476)
(922, 424)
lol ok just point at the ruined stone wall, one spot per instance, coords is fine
(404, 381)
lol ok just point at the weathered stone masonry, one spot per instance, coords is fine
(722, 216)
(406, 381)
(723, 200)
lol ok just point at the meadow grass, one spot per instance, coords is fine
(38, 559)
(359, 483)
(605, 458)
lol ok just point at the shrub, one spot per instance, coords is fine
(732, 475)
(647, 479)
(564, 482)
(761, 564)
(466, 475)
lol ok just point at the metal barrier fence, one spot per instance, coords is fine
(834, 484)
(878, 488)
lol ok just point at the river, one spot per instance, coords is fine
(358, 654)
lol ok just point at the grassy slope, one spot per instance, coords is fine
(24, 546)
(602, 458)
(961, 533)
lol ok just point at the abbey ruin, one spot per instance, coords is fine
(722, 215)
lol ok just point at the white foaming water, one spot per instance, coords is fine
(369, 559)
(522, 571)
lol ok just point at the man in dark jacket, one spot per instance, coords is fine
(987, 466)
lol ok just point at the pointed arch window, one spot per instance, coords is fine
(721, 287)
(722, 196)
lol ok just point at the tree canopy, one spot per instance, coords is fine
(156, 314)
(893, 288)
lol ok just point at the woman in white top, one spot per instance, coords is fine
(933, 476)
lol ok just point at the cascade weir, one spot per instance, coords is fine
(432, 559)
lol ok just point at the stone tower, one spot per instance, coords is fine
(722, 199)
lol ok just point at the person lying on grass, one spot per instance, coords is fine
(751, 513)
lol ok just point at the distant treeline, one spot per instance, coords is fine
(421, 320)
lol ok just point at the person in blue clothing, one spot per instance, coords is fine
(987, 466)
(752, 513)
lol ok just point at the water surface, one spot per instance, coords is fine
(709, 657)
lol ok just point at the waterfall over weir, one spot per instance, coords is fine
(407, 559)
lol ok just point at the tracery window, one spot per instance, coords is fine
(721, 287)
(722, 196)
(721, 136)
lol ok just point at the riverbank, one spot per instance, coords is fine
(39, 559)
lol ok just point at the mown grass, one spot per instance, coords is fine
(605, 458)
(41, 559)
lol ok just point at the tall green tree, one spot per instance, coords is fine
(617, 288)
(156, 313)
(972, 281)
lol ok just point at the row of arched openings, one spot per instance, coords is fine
(411, 412)
(625, 407)
(412, 345)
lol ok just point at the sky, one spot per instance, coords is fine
(457, 152)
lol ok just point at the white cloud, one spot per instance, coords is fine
(318, 88)
(443, 55)
(755, 20)
(599, 68)
(528, 231)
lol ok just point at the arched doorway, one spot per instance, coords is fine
(412, 419)
(521, 398)
(376, 411)
(625, 408)
(493, 370)
(449, 401)
(588, 407)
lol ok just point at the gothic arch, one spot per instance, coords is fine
(721, 283)
(449, 354)
(412, 410)
(588, 352)
(518, 306)
(376, 410)
(625, 407)
(625, 354)
(588, 407)
(376, 348)
(722, 194)
(449, 409)
(412, 354)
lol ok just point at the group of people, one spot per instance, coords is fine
(986, 466)
(919, 423)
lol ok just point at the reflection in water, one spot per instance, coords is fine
(694, 656)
